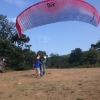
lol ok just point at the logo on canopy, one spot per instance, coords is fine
(50, 4)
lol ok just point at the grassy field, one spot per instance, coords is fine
(56, 84)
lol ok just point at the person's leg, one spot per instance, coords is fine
(43, 70)
(38, 71)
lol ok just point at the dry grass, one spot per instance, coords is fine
(56, 84)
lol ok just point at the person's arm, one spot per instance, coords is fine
(33, 64)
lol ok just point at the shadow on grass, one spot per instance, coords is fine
(28, 75)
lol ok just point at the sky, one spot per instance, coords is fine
(58, 38)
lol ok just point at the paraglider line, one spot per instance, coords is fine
(93, 16)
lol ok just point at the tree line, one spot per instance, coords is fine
(18, 56)
(16, 51)
(77, 58)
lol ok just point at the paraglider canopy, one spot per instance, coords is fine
(51, 11)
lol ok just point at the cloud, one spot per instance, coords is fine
(45, 39)
(19, 3)
(12, 20)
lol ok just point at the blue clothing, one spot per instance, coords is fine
(37, 65)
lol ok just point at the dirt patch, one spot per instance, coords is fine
(56, 84)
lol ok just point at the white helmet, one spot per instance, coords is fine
(44, 57)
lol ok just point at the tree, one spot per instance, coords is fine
(76, 56)
(92, 56)
(53, 60)
(97, 47)
(7, 29)
(28, 58)
(13, 48)
(20, 42)
(42, 53)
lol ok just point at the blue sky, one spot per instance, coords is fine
(58, 38)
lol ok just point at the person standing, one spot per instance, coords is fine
(36, 66)
(43, 67)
